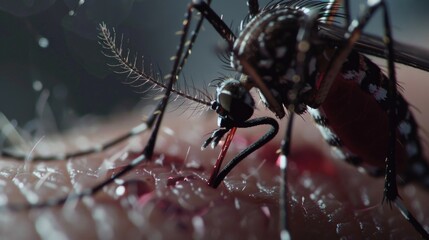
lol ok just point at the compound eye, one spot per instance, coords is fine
(235, 100)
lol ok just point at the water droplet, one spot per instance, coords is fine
(37, 85)
(120, 191)
(266, 211)
(43, 42)
(133, 187)
(172, 181)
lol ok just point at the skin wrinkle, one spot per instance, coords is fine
(326, 195)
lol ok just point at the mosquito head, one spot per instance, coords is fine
(268, 47)
(233, 101)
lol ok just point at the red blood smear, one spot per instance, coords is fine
(305, 158)
(311, 160)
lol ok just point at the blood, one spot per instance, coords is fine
(309, 159)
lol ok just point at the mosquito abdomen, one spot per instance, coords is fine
(356, 112)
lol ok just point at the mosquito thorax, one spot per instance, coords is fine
(268, 44)
(233, 101)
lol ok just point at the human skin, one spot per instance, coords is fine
(168, 197)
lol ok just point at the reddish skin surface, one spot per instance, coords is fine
(328, 199)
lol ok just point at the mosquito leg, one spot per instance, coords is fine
(301, 70)
(133, 132)
(390, 187)
(331, 10)
(191, 42)
(270, 134)
(347, 12)
(355, 29)
(283, 199)
(214, 19)
(147, 152)
(253, 6)
(337, 60)
(142, 127)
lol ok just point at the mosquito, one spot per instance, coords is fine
(299, 62)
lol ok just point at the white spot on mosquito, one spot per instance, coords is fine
(226, 92)
(412, 149)
(285, 235)
(232, 60)
(379, 93)
(327, 134)
(305, 10)
(361, 76)
(313, 112)
(243, 44)
(263, 99)
(312, 66)
(281, 18)
(362, 170)
(322, 204)
(350, 75)
(283, 162)
(338, 153)
(280, 52)
(404, 128)
(265, 63)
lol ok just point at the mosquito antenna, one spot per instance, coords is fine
(155, 117)
(109, 43)
(128, 66)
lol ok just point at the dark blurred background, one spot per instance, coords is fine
(49, 55)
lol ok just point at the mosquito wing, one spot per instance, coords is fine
(373, 45)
